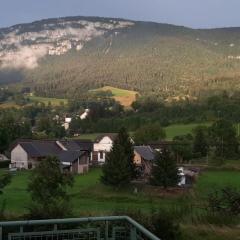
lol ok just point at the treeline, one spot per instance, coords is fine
(155, 110)
(107, 115)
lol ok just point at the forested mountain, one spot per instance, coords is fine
(65, 57)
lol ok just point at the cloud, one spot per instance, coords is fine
(24, 57)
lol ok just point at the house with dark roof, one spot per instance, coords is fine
(73, 155)
(143, 159)
(74, 161)
(102, 145)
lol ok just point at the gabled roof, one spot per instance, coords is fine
(37, 148)
(84, 144)
(67, 151)
(70, 156)
(112, 136)
(70, 145)
(146, 152)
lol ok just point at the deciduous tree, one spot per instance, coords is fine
(48, 189)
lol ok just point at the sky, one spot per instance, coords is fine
(190, 13)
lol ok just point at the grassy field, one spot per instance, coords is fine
(125, 97)
(171, 131)
(9, 105)
(53, 101)
(91, 198)
(181, 129)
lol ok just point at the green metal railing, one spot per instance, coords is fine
(92, 228)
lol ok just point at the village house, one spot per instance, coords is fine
(143, 159)
(73, 155)
(103, 145)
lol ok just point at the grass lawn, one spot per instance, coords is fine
(181, 129)
(211, 180)
(171, 131)
(53, 101)
(90, 198)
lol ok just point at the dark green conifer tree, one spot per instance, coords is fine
(125, 141)
(165, 170)
(119, 168)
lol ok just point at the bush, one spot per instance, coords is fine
(4, 164)
(161, 223)
(225, 201)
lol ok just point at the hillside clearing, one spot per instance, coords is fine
(125, 97)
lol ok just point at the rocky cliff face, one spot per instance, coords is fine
(23, 45)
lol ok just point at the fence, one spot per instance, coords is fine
(99, 228)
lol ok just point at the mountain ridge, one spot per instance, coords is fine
(52, 55)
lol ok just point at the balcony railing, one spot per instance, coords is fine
(99, 228)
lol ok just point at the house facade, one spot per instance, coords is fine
(103, 145)
(75, 161)
(73, 155)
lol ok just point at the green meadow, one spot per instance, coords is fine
(46, 101)
(90, 196)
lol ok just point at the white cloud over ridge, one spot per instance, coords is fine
(24, 50)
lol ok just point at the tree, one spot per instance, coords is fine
(223, 138)
(182, 147)
(200, 142)
(149, 133)
(12, 127)
(48, 190)
(124, 140)
(51, 127)
(119, 168)
(165, 170)
(224, 201)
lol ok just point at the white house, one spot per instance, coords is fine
(67, 122)
(187, 176)
(85, 114)
(103, 145)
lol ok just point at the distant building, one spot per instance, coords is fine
(67, 122)
(143, 159)
(187, 176)
(85, 114)
(103, 145)
(73, 155)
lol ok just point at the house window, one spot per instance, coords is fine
(101, 155)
